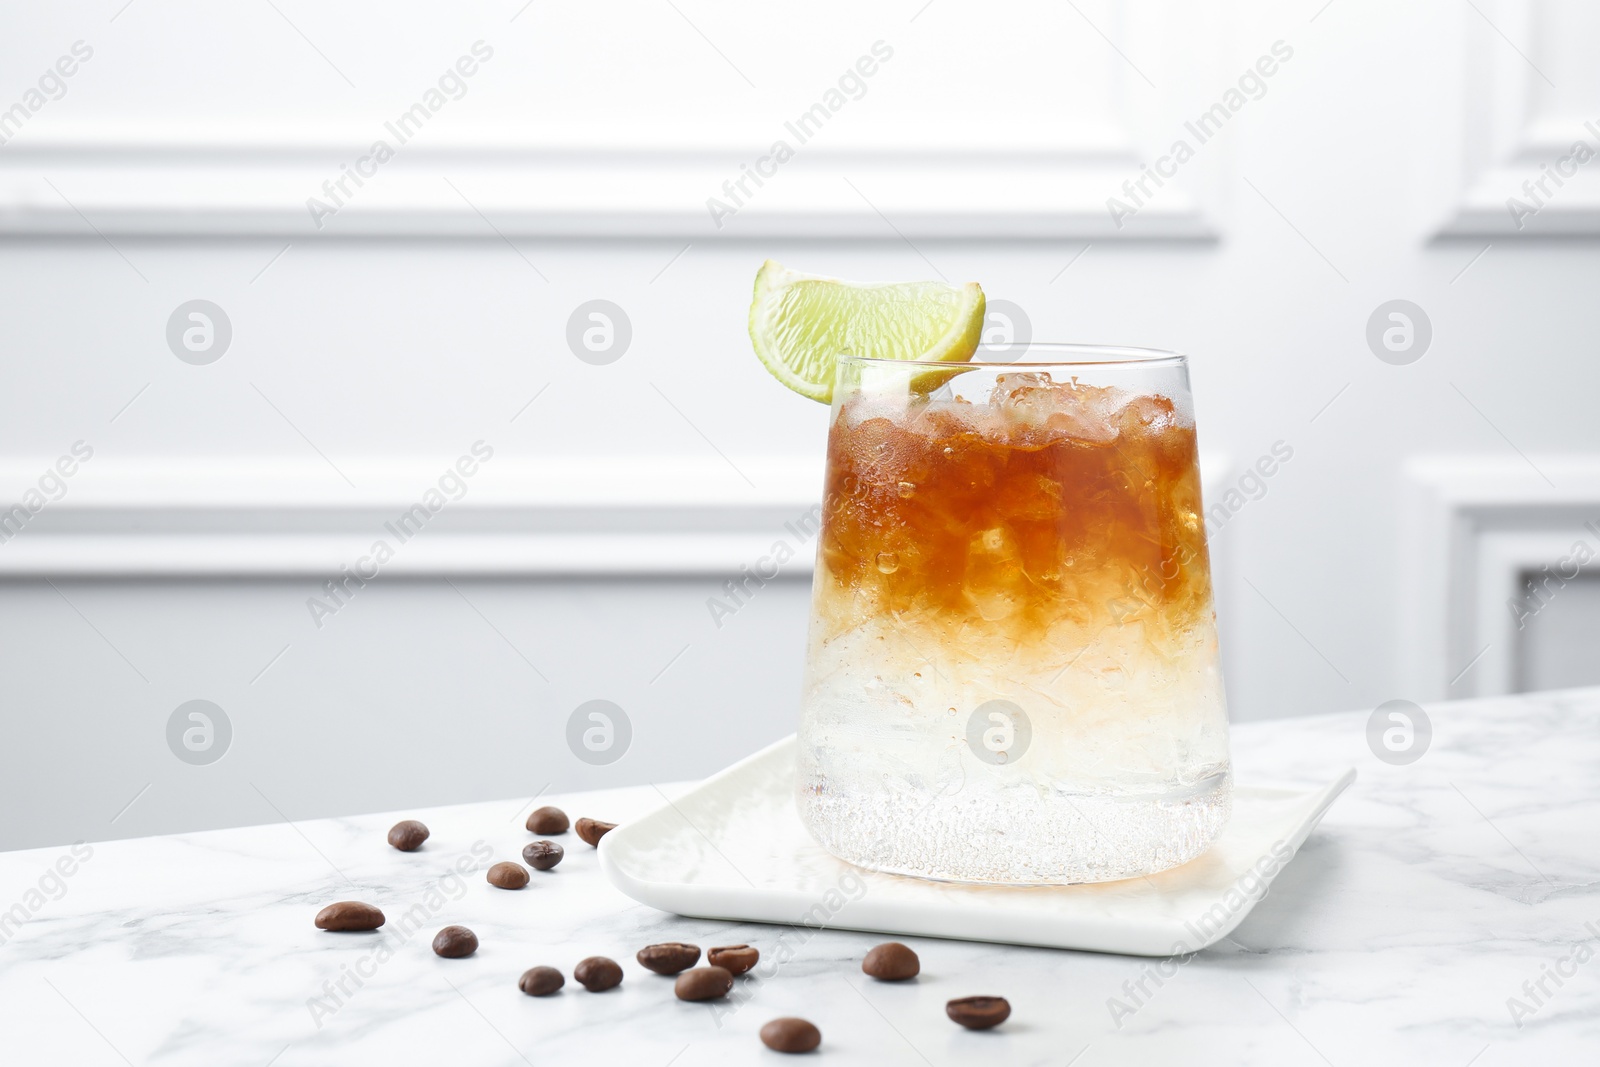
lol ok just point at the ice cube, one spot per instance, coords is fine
(1040, 411)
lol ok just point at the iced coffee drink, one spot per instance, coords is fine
(1012, 673)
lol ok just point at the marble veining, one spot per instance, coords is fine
(1445, 912)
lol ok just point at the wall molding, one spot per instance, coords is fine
(1472, 527)
(1507, 141)
(1504, 559)
(607, 516)
(527, 169)
(166, 185)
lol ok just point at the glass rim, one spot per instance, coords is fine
(1071, 355)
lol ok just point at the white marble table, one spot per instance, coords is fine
(1424, 903)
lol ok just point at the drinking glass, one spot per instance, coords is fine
(1012, 672)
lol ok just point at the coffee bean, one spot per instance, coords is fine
(598, 974)
(408, 835)
(790, 1035)
(735, 959)
(703, 983)
(978, 1013)
(349, 915)
(891, 962)
(669, 957)
(592, 830)
(508, 875)
(454, 942)
(542, 855)
(549, 821)
(540, 981)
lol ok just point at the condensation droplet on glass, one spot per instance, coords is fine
(888, 562)
(1191, 521)
(907, 488)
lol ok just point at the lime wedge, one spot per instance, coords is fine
(801, 323)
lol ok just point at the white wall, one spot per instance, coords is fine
(371, 353)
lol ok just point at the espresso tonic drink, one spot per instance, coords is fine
(1012, 673)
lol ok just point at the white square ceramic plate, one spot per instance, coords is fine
(733, 847)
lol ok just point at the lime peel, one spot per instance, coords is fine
(801, 323)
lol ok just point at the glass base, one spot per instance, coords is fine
(1049, 838)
